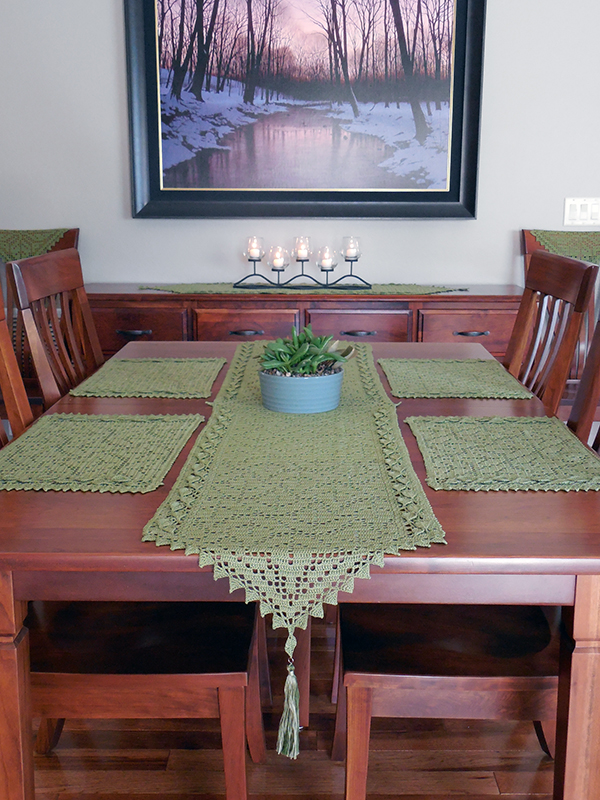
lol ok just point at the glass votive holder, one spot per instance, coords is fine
(279, 258)
(254, 249)
(351, 248)
(301, 251)
(327, 259)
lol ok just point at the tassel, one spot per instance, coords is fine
(288, 738)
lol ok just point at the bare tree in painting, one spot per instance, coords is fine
(204, 39)
(421, 127)
(339, 19)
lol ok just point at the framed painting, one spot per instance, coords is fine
(324, 108)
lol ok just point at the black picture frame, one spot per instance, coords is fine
(151, 201)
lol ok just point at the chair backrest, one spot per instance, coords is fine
(17, 244)
(12, 387)
(540, 351)
(57, 319)
(586, 400)
(582, 245)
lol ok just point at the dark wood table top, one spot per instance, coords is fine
(510, 533)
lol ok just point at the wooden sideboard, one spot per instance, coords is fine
(123, 312)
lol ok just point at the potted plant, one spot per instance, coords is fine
(303, 375)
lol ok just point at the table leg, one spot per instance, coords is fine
(16, 749)
(582, 766)
(302, 663)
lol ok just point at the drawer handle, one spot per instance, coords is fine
(246, 333)
(130, 335)
(471, 333)
(358, 333)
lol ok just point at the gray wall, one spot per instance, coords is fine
(64, 159)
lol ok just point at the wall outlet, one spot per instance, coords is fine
(582, 211)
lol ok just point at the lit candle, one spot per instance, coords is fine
(254, 252)
(326, 263)
(351, 252)
(302, 253)
(278, 261)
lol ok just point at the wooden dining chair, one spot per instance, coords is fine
(151, 661)
(581, 245)
(57, 320)
(16, 244)
(12, 388)
(585, 405)
(546, 332)
(441, 662)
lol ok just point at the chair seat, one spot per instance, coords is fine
(139, 638)
(448, 640)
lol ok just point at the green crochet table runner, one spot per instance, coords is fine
(312, 499)
(24, 244)
(152, 377)
(584, 245)
(228, 288)
(292, 508)
(503, 453)
(439, 377)
(89, 453)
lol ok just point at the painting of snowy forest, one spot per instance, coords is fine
(307, 98)
(304, 94)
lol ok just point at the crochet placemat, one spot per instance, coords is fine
(439, 377)
(24, 244)
(228, 288)
(584, 245)
(95, 453)
(502, 453)
(152, 377)
(294, 507)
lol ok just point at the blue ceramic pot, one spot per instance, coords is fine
(301, 395)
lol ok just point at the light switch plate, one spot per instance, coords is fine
(582, 211)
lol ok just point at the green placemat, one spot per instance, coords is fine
(439, 377)
(502, 453)
(294, 507)
(228, 288)
(24, 244)
(85, 453)
(152, 377)
(584, 245)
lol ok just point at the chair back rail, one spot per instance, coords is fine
(57, 320)
(540, 352)
(12, 387)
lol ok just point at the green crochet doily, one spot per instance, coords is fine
(95, 453)
(293, 508)
(152, 377)
(503, 453)
(228, 288)
(25, 244)
(439, 377)
(584, 245)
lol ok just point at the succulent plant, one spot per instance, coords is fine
(304, 354)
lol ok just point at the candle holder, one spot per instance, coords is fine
(254, 252)
(279, 260)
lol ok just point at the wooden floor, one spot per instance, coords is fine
(410, 759)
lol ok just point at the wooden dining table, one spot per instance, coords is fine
(503, 547)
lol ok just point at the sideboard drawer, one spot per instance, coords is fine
(241, 324)
(118, 325)
(365, 325)
(491, 327)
